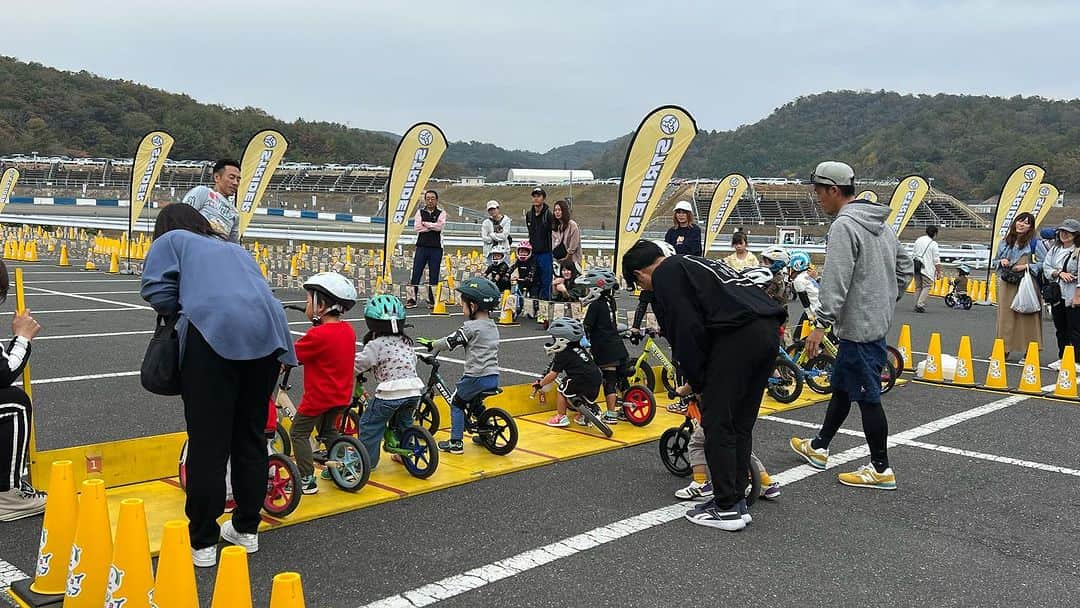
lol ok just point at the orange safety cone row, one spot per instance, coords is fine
(996, 376)
(91, 550)
(965, 372)
(1031, 377)
(174, 586)
(287, 592)
(131, 575)
(232, 587)
(1066, 381)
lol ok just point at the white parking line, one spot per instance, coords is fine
(83, 293)
(66, 310)
(88, 298)
(453, 586)
(101, 335)
(101, 280)
(37, 381)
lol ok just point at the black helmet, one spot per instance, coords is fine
(480, 291)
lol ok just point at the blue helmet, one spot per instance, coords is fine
(800, 261)
(1047, 233)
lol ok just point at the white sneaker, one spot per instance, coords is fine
(695, 491)
(21, 502)
(250, 542)
(205, 557)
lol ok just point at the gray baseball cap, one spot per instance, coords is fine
(833, 173)
(1070, 225)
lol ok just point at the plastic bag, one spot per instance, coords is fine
(1027, 300)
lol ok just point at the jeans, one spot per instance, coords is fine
(467, 388)
(373, 422)
(543, 260)
(432, 258)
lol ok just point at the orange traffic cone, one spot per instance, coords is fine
(232, 587)
(64, 261)
(439, 307)
(1066, 382)
(904, 346)
(114, 263)
(288, 592)
(131, 577)
(964, 375)
(1031, 378)
(57, 530)
(174, 586)
(996, 376)
(932, 365)
(88, 568)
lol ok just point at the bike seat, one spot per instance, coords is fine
(488, 393)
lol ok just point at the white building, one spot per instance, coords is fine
(547, 176)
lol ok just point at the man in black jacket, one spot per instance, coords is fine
(538, 220)
(724, 333)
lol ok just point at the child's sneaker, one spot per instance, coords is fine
(695, 491)
(805, 448)
(454, 446)
(771, 491)
(611, 417)
(308, 485)
(558, 420)
(579, 419)
(410, 303)
(868, 477)
(678, 407)
(326, 474)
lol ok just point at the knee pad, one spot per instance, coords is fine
(611, 381)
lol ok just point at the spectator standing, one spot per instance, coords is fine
(215, 204)
(1060, 264)
(429, 222)
(565, 236)
(927, 259)
(538, 221)
(496, 228)
(1012, 259)
(685, 234)
(742, 258)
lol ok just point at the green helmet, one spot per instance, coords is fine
(480, 291)
(384, 307)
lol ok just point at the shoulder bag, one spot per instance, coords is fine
(160, 373)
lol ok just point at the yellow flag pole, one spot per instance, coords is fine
(20, 307)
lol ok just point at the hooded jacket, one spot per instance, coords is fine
(865, 270)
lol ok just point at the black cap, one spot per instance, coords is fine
(539, 190)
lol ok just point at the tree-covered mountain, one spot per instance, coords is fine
(968, 144)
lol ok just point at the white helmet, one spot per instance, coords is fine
(338, 291)
(684, 206)
(500, 248)
(777, 253)
(665, 247)
(760, 275)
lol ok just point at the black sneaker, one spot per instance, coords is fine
(744, 512)
(713, 516)
(410, 303)
(477, 439)
(454, 446)
(920, 309)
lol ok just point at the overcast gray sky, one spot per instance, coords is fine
(539, 74)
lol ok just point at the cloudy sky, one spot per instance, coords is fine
(543, 73)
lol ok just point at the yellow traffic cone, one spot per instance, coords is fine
(7, 250)
(64, 261)
(114, 263)
(1066, 382)
(131, 577)
(439, 307)
(57, 530)
(1031, 378)
(904, 346)
(965, 372)
(932, 364)
(31, 254)
(90, 265)
(88, 568)
(506, 317)
(174, 586)
(20, 250)
(288, 591)
(50, 247)
(264, 270)
(232, 587)
(294, 266)
(992, 295)
(996, 376)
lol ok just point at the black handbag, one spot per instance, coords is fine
(559, 252)
(160, 373)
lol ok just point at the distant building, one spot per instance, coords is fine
(477, 180)
(547, 176)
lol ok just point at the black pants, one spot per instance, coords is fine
(1072, 336)
(1061, 328)
(225, 405)
(738, 372)
(14, 435)
(431, 257)
(875, 426)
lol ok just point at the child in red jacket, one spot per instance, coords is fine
(326, 351)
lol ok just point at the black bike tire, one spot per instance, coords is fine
(672, 440)
(335, 473)
(811, 380)
(432, 452)
(294, 498)
(888, 384)
(795, 375)
(427, 414)
(489, 441)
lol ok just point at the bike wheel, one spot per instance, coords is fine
(818, 372)
(753, 490)
(888, 377)
(643, 375)
(786, 384)
(675, 451)
(427, 415)
(639, 405)
(897, 360)
(181, 467)
(667, 376)
(966, 302)
(421, 456)
(282, 487)
(348, 463)
(950, 300)
(281, 442)
(590, 415)
(498, 431)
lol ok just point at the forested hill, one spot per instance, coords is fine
(968, 144)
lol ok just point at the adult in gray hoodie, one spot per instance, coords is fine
(865, 271)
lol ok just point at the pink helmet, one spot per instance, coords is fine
(526, 246)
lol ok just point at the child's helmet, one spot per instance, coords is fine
(565, 331)
(964, 268)
(800, 261)
(599, 281)
(384, 307)
(480, 291)
(524, 247)
(760, 275)
(778, 256)
(500, 249)
(336, 289)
